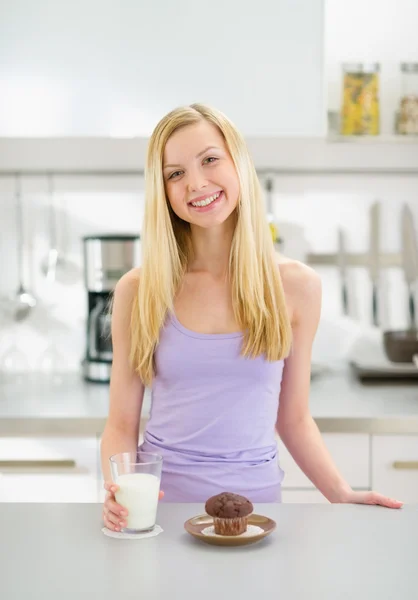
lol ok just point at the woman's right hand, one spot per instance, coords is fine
(115, 515)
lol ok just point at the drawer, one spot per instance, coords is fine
(303, 497)
(395, 466)
(350, 453)
(49, 469)
(49, 454)
(48, 488)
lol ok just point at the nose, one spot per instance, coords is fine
(196, 180)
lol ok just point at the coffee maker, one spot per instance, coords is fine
(106, 259)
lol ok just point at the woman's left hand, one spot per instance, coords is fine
(372, 498)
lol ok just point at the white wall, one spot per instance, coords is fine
(60, 74)
(313, 206)
(97, 67)
(373, 31)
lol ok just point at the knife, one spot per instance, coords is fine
(342, 265)
(410, 259)
(374, 258)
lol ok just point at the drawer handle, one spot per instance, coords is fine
(23, 464)
(405, 464)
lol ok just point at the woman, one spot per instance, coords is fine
(219, 326)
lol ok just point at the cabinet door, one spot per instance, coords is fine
(50, 487)
(259, 62)
(350, 452)
(395, 466)
(303, 497)
(49, 470)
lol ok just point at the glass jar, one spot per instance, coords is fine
(360, 110)
(407, 122)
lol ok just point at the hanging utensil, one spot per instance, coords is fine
(410, 261)
(342, 265)
(24, 300)
(374, 259)
(49, 264)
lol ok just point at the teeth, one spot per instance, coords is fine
(207, 201)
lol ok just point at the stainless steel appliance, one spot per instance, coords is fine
(106, 259)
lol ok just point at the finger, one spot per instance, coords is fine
(116, 508)
(388, 502)
(161, 495)
(111, 487)
(109, 524)
(115, 519)
(380, 500)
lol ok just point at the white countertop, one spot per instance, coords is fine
(317, 552)
(338, 402)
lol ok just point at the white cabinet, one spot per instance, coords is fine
(68, 469)
(385, 463)
(49, 469)
(395, 466)
(303, 497)
(349, 451)
(264, 70)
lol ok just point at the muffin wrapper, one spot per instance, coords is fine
(234, 526)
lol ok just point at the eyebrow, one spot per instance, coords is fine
(197, 155)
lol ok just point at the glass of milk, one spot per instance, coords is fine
(138, 475)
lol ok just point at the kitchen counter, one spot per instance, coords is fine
(338, 403)
(318, 552)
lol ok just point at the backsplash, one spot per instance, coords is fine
(309, 208)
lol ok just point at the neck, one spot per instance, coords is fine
(212, 247)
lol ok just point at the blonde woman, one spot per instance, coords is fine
(218, 326)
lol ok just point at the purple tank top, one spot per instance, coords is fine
(213, 416)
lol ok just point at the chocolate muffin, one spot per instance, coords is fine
(230, 513)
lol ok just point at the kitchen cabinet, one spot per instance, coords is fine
(67, 469)
(350, 452)
(303, 497)
(269, 81)
(395, 466)
(48, 469)
(385, 463)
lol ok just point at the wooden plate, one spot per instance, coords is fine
(195, 526)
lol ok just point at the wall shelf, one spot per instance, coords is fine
(336, 138)
(287, 156)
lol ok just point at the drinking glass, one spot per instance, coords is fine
(138, 475)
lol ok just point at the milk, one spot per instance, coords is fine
(138, 493)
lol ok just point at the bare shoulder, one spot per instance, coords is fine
(297, 277)
(128, 281)
(127, 287)
(302, 286)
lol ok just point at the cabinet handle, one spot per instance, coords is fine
(23, 464)
(405, 464)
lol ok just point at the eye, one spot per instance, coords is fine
(210, 159)
(175, 174)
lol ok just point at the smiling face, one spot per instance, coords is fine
(200, 179)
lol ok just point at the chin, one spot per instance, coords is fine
(214, 221)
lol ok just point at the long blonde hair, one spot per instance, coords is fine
(257, 291)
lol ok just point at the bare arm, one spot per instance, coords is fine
(126, 389)
(295, 424)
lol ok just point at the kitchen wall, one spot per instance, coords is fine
(309, 208)
(96, 67)
(372, 31)
(48, 94)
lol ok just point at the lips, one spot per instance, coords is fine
(205, 197)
